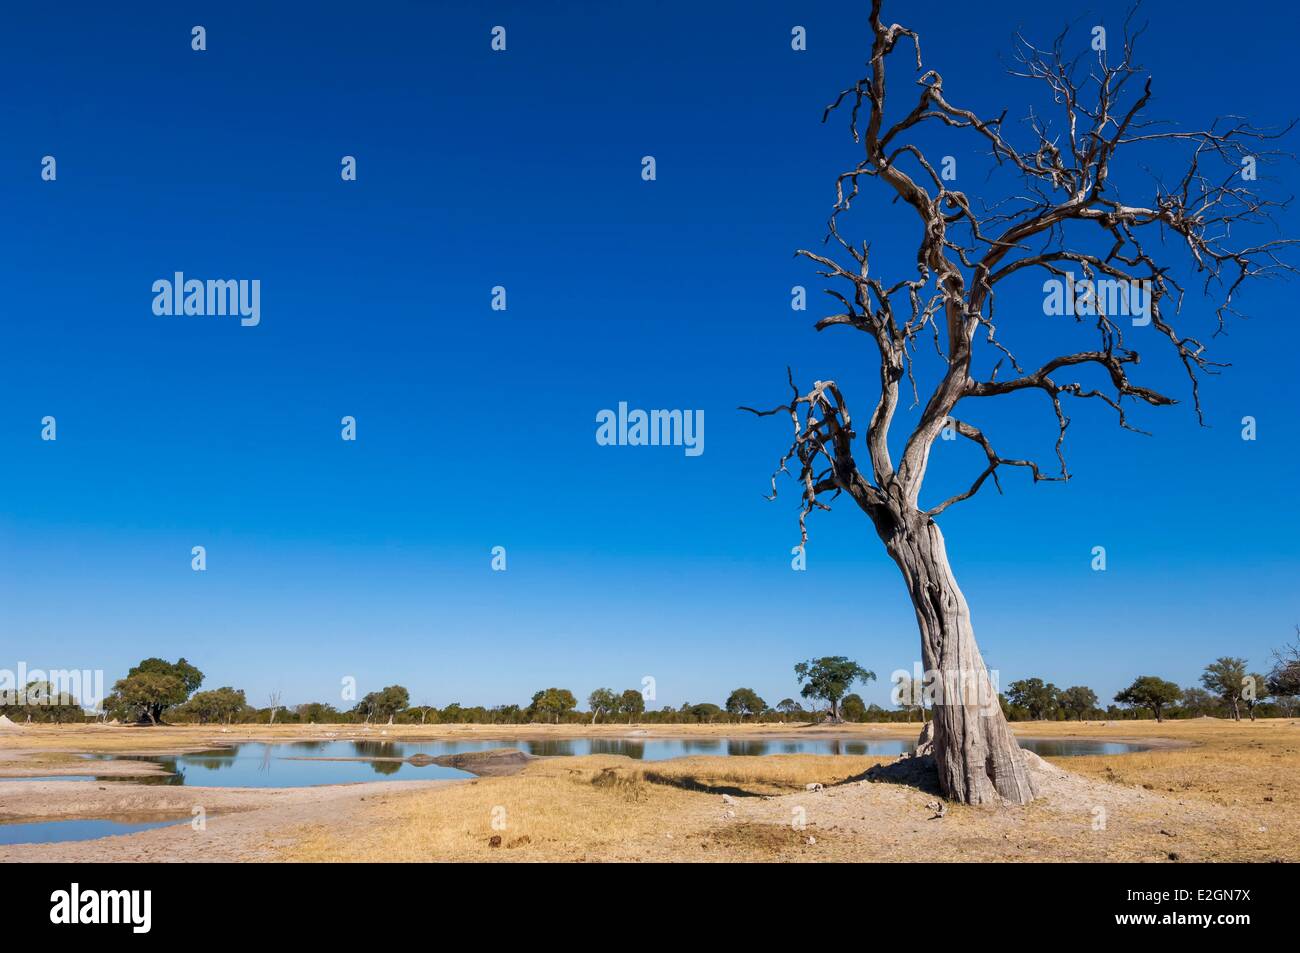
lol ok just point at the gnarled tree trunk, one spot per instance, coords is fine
(977, 756)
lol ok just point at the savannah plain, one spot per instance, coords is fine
(1207, 790)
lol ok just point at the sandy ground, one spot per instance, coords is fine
(1207, 790)
(239, 824)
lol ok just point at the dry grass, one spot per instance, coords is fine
(747, 777)
(1226, 764)
(112, 739)
(603, 807)
(1213, 807)
(552, 810)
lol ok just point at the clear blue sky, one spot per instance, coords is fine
(476, 428)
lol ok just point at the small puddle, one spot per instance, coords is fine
(76, 829)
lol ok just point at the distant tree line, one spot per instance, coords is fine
(40, 701)
(1227, 689)
(157, 690)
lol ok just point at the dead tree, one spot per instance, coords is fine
(1065, 213)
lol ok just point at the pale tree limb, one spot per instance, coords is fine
(1066, 201)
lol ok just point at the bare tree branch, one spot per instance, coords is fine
(1067, 215)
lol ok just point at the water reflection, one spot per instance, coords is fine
(304, 763)
(632, 749)
(53, 832)
(1066, 748)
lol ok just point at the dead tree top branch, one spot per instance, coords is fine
(1067, 204)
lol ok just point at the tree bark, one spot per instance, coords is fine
(977, 756)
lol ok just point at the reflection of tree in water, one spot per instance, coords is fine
(375, 749)
(748, 749)
(311, 747)
(172, 777)
(632, 749)
(385, 767)
(550, 748)
(213, 759)
(702, 746)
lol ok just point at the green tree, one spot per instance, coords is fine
(788, 706)
(632, 704)
(829, 678)
(1152, 693)
(318, 713)
(148, 695)
(219, 705)
(1078, 700)
(383, 704)
(156, 685)
(190, 676)
(853, 707)
(41, 701)
(1035, 695)
(423, 711)
(1226, 678)
(745, 701)
(552, 704)
(705, 712)
(1197, 702)
(602, 701)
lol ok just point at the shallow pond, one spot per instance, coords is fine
(51, 832)
(307, 763)
(287, 765)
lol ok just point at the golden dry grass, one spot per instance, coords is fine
(552, 810)
(602, 807)
(1224, 763)
(746, 777)
(610, 808)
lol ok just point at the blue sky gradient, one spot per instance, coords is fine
(476, 428)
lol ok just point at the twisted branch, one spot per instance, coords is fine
(1065, 200)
